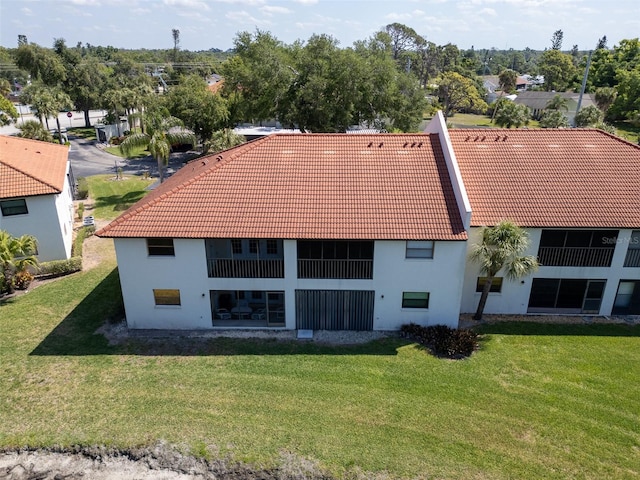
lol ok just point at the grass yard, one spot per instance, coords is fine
(139, 152)
(536, 402)
(112, 197)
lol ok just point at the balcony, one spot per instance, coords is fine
(242, 268)
(338, 269)
(575, 256)
(633, 258)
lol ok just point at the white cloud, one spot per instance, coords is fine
(306, 2)
(249, 3)
(87, 3)
(27, 11)
(245, 18)
(187, 4)
(272, 10)
(488, 11)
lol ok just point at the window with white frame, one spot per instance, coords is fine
(419, 249)
(415, 299)
(496, 284)
(166, 296)
(160, 247)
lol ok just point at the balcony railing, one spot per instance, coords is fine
(237, 268)
(633, 258)
(346, 269)
(575, 256)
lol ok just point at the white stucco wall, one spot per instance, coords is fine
(514, 298)
(49, 220)
(187, 271)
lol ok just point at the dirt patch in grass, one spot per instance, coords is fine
(157, 462)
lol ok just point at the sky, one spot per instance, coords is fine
(205, 24)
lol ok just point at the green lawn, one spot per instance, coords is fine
(534, 402)
(139, 152)
(113, 196)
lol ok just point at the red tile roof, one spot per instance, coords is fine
(313, 186)
(549, 177)
(30, 167)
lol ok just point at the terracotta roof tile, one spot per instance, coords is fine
(550, 177)
(30, 167)
(320, 186)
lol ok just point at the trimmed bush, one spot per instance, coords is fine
(84, 232)
(441, 340)
(22, 280)
(58, 268)
(82, 190)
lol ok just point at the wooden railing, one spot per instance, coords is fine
(347, 269)
(237, 268)
(575, 256)
(633, 258)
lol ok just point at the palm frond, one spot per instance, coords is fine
(134, 141)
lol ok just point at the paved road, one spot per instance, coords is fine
(88, 158)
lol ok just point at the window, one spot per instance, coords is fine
(419, 249)
(633, 252)
(415, 299)
(272, 247)
(14, 207)
(236, 246)
(160, 246)
(253, 246)
(496, 284)
(166, 296)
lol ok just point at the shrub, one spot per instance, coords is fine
(80, 210)
(441, 340)
(22, 280)
(82, 190)
(58, 268)
(84, 232)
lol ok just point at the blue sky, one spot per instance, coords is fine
(205, 24)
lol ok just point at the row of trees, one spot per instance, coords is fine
(389, 80)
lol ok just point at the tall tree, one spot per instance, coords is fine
(41, 63)
(508, 79)
(605, 96)
(202, 111)
(175, 33)
(558, 70)
(458, 93)
(162, 133)
(501, 249)
(556, 40)
(47, 102)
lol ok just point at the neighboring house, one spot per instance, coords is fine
(577, 193)
(334, 231)
(36, 194)
(538, 101)
(326, 231)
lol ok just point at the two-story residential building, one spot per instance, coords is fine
(334, 231)
(577, 193)
(293, 231)
(36, 194)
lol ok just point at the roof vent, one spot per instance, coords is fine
(381, 144)
(370, 145)
(405, 144)
(504, 139)
(218, 158)
(467, 139)
(420, 145)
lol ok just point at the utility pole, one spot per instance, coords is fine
(584, 85)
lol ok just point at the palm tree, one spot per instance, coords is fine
(501, 248)
(34, 130)
(47, 102)
(16, 254)
(223, 140)
(558, 102)
(161, 134)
